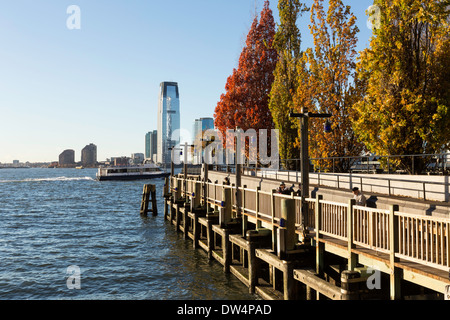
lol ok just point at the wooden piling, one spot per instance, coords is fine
(195, 230)
(226, 247)
(149, 195)
(288, 214)
(186, 220)
(350, 285)
(252, 261)
(225, 208)
(211, 218)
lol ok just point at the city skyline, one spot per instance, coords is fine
(61, 87)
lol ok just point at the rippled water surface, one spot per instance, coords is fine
(55, 218)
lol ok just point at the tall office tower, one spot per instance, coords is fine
(168, 120)
(151, 143)
(89, 155)
(67, 158)
(200, 125)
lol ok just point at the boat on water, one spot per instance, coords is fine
(132, 172)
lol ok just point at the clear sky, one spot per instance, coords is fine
(63, 89)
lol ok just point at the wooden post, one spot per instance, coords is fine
(145, 198)
(352, 258)
(252, 261)
(258, 222)
(210, 234)
(149, 194)
(225, 208)
(166, 209)
(166, 187)
(226, 248)
(320, 249)
(205, 183)
(172, 210)
(288, 282)
(186, 220)
(272, 210)
(281, 243)
(238, 187)
(177, 216)
(242, 214)
(288, 214)
(196, 231)
(395, 275)
(350, 287)
(196, 196)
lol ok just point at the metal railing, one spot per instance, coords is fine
(404, 186)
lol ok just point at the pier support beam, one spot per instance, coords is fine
(186, 220)
(211, 218)
(252, 261)
(195, 230)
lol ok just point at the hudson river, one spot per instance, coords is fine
(56, 222)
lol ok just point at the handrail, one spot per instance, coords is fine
(421, 239)
(355, 179)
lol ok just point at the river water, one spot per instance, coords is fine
(64, 235)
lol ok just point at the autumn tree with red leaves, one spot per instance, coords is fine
(245, 102)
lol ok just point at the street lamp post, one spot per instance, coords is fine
(304, 116)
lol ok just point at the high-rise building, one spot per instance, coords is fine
(200, 125)
(137, 158)
(66, 158)
(168, 120)
(151, 144)
(89, 155)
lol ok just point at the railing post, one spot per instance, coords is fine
(274, 229)
(244, 217)
(319, 246)
(424, 197)
(352, 258)
(252, 260)
(258, 222)
(395, 275)
(205, 184)
(225, 208)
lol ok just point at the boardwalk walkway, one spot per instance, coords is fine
(333, 250)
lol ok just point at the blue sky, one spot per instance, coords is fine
(63, 89)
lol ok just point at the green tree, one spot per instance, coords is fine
(406, 70)
(287, 43)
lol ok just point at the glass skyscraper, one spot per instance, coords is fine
(150, 144)
(168, 120)
(200, 126)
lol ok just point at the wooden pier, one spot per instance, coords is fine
(337, 251)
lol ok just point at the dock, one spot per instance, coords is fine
(336, 251)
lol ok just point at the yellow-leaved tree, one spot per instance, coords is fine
(406, 71)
